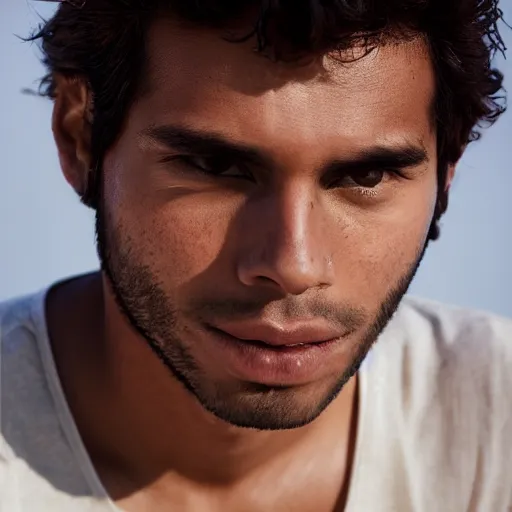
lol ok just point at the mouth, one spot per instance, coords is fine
(280, 336)
(288, 347)
(283, 361)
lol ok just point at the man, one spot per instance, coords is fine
(266, 177)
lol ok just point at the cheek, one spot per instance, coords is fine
(176, 234)
(179, 242)
(380, 248)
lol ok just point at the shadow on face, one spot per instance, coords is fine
(246, 189)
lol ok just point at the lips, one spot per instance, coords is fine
(281, 335)
(275, 354)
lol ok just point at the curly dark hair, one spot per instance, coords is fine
(103, 44)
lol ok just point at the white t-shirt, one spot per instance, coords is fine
(434, 432)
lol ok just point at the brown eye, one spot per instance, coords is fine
(363, 179)
(215, 166)
(367, 179)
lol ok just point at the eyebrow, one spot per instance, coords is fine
(396, 156)
(208, 143)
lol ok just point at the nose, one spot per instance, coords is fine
(284, 243)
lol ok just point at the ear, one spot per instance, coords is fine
(450, 175)
(71, 125)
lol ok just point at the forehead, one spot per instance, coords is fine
(199, 79)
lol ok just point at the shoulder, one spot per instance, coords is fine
(21, 319)
(439, 385)
(440, 337)
(448, 363)
(21, 322)
(450, 366)
(14, 312)
(479, 341)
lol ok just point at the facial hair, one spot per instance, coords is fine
(146, 306)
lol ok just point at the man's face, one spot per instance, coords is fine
(249, 204)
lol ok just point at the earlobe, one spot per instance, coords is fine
(72, 130)
(450, 175)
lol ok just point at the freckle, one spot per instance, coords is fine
(311, 205)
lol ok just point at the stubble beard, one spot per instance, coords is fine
(148, 309)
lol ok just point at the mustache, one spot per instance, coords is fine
(341, 315)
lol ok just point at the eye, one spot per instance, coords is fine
(367, 179)
(215, 166)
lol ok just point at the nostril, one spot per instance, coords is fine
(265, 280)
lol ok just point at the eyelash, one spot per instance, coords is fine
(190, 164)
(188, 161)
(372, 192)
